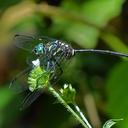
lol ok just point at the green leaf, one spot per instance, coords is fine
(38, 78)
(5, 97)
(117, 92)
(111, 122)
(28, 23)
(114, 42)
(96, 12)
(84, 35)
(101, 11)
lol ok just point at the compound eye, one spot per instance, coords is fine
(35, 50)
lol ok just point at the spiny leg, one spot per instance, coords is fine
(51, 67)
(55, 77)
(57, 62)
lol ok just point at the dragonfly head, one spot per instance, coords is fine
(39, 49)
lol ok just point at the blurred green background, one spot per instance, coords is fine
(101, 81)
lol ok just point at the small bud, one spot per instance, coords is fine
(68, 93)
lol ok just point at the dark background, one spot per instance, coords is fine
(101, 81)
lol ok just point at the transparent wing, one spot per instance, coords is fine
(25, 42)
(31, 58)
(19, 82)
(30, 98)
(54, 67)
(28, 42)
(46, 39)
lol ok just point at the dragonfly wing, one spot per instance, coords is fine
(25, 42)
(31, 58)
(30, 98)
(46, 40)
(18, 83)
(28, 42)
(49, 40)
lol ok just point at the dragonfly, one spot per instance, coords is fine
(48, 53)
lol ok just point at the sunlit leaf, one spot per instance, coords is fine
(96, 12)
(101, 11)
(111, 122)
(117, 87)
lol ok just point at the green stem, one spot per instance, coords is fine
(82, 116)
(60, 99)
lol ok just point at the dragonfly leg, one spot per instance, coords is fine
(51, 66)
(48, 66)
(61, 71)
(55, 77)
(58, 61)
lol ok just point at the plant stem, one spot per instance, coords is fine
(82, 116)
(60, 99)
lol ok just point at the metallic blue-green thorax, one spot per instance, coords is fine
(39, 49)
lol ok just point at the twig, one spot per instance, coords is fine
(53, 92)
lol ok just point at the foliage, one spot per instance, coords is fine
(85, 23)
(110, 123)
(118, 97)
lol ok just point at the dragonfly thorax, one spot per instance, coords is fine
(39, 49)
(59, 48)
